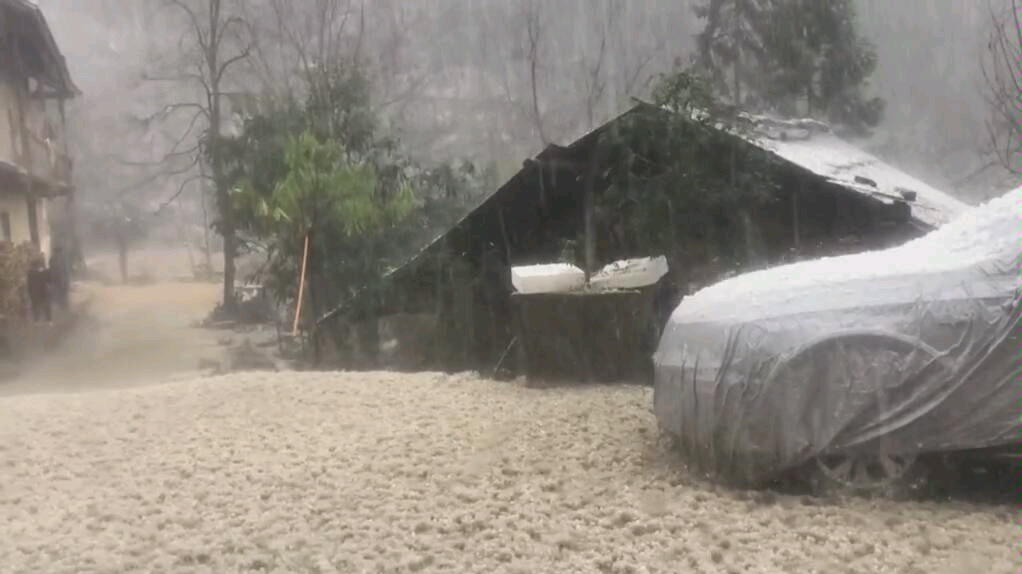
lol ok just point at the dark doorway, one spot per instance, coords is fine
(33, 222)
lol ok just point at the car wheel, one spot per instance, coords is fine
(868, 359)
(870, 473)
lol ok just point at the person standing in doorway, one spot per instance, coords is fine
(39, 290)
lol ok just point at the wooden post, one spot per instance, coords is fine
(439, 350)
(509, 310)
(588, 206)
(301, 287)
(467, 282)
(794, 213)
(503, 232)
(590, 257)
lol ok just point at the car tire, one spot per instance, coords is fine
(893, 474)
(889, 476)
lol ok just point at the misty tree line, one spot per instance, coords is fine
(473, 56)
(405, 64)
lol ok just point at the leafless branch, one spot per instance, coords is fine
(168, 111)
(156, 176)
(283, 28)
(1001, 66)
(187, 133)
(975, 173)
(534, 35)
(303, 35)
(226, 64)
(595, 83)
(632, 78)
(407, 92)
(196, 28)
(357, 52)
(168, 157)
(180, 189)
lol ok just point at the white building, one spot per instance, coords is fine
(35, 168)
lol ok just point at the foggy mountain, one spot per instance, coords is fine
(457, 76)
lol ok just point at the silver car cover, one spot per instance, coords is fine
(912, 349)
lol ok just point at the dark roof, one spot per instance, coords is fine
(53, 60)
(513, 208)
(517, 199)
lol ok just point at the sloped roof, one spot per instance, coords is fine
(52, 56)
(807, 144)
(812, 145)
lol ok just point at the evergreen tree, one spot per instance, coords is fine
(794, 57)
(818, 63)
(730, 48)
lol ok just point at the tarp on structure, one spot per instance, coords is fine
(908, 350)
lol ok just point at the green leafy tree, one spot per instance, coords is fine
(335, 200)
(378, 209)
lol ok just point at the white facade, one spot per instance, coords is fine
(15, 220)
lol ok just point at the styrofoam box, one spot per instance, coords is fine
(547, 278)
(630, 273)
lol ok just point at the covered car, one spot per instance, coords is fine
(853, 365)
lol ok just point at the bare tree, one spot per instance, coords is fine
(604, 60)
(534, 43)
(1002, 72)
(594, 82)
(615, 66)
(215, 42)
(297, 36)
(384, 38)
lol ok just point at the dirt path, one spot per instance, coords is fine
(133, 335)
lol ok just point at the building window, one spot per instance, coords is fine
(5, 226)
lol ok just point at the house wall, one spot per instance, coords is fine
(46, 138)
(10, 141)
(49, 159)
(43, 213)
(16, 208)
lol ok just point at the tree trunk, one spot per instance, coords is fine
(204, 202)
(227, 229)
(226, 208)
(223, 192)
(738, 54)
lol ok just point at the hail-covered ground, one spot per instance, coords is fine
(378, 472)
(113, 458)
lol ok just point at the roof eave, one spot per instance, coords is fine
(67, 88)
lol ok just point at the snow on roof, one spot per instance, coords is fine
(813, 146)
